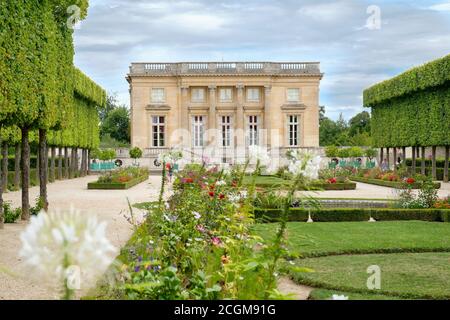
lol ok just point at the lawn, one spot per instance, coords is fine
(414, 258)
(408, 275)
(325, 238)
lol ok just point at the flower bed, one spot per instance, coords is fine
(276, 182)
(120, 179)
(391, 184)
(344, 214)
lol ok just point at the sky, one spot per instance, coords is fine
(357, 42)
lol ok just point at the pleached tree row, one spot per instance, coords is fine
(412, 110)
(43, 97)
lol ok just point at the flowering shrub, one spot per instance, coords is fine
(122, 175)
(425, 198)
(442, 204)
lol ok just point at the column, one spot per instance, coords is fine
(184, 117)
(240, 130)
(267, 124)
(212, 115)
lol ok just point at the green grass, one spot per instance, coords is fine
(408, 275)
(414, 258)
(318, 239)
(325, 294)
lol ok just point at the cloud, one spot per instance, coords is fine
(118, 32)
(441, 6)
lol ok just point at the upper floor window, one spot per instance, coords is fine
(293, 95)
(226, 95)
(198, 95)
(253, 94)
(158, 95)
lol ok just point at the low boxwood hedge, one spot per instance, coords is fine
(345, 214)
(391, 184)
(116, 185)
(335, 186)
(428, 172)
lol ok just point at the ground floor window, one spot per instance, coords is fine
(253, 130)
(198, 130)
(158, 131)
(293, 130)
(226, 130)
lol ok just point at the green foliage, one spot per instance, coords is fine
(11, 215)
(117, 124)
(136, 153)
(413, 108)
(355, 152)
(371, 153)
(344, 153)
(431, 75)
(106, 155)
(331, 151)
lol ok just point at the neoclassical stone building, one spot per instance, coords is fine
(221, 108)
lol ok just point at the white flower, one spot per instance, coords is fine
(257, 153)
(306, 165)
(56, 241)
(234, 198)
(196, 215)
(221, 183)
(339, 297)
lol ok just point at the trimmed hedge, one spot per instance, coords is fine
(116, 185)
(344, 214)
(335, 186)
(391, 184)
(428, 163)
(428, 172)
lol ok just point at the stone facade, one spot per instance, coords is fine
(224, 107)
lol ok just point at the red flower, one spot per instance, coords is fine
(216, 241)
(221, 196)
(188, 180)
(234, 184)
(211, 194)
(332, 180)
(410, 180)
(212, 187)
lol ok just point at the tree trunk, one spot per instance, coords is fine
(60, 163)
(84, 162)
(404, 155)
(38, 166)
(53, 165)
(17, 168)
(72, 163)
(66, 163)
(77, 167)
(388, 158)
(447, 155)
(433, 151)
(43, 167)
(395, 159)
(2, 217)
(88, 162)
(381, 156)
(5, 166)
(413, 167)
(423, 162)
(25, 174)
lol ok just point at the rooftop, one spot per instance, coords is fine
(226, 68)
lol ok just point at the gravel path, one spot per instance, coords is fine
(108, 205)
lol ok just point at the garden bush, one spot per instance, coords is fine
(122, 178)
(347, 214)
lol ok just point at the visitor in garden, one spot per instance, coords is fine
(169, 169)
(384, 165)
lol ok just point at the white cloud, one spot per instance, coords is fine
(441, 6)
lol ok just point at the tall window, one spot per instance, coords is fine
(293, 95)
(226, 95)
(158, 95)
(226, 131)
(198, 95)
(253, 130)
(198, 130)
(253, 94)
(293, 128)
(158, 131)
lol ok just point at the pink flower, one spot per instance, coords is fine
(200, 228)
(216, 241)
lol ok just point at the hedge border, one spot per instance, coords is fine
(116, 185)
(354, 215)
(391, 184)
